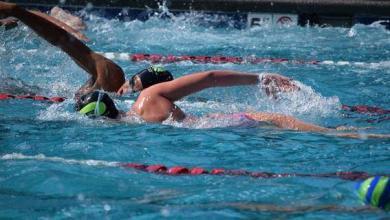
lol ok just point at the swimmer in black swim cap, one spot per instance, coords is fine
(96, 104)
(146, 78)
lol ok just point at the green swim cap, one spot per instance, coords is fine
(375, 191)
(96, 104)
(94, 108)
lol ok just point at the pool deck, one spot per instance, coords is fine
(254, 12)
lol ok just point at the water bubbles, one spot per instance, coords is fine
(352, 32)
(107, 207)
(165, 212)
(80, 197)
(89, 6)
(164, 10)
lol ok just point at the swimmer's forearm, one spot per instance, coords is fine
(196, 82)
(222, 78)
(286, 122)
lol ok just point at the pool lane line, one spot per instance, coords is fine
(194, 171)
(158, 58)
(55, 99)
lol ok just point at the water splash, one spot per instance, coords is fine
(42, 157)
(305, 102)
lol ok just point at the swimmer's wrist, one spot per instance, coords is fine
(14, 9)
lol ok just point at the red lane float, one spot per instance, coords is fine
(180, 170)
(365, 109)
(4, 96)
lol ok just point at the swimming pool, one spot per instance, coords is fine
(58, 164)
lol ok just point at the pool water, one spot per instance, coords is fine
(82, 182)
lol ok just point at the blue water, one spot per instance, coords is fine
(58, 164)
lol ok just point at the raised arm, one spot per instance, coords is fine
(105, 73)
(186, 85)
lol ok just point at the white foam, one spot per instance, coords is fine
(305, 102)
(342, 63)
(42, 157)
(110, 55)
(123, 56)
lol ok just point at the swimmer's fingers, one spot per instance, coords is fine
(363, 136)
(9, 23)
(124, 88)
(351, 128)
(286, 84)
(275, 83)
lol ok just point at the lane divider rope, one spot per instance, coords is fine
(363, 109)
(5, 96)
(194, 171)
(158, 58)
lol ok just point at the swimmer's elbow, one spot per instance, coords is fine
(215, 78)
(209, 79)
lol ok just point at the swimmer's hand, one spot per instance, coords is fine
(69, 19)
(363, 136)
(272, 84)
(6, 9)
(9, 23)
(351, 128)
(125, 88)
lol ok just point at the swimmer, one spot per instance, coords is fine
(156, 101)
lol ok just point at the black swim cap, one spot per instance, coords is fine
(95, 104)
(151, 76)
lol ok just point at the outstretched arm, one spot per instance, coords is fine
(104, 73)
(186, 85)
(291, 123)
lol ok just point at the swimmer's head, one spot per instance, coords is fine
(148, 77)
(95, 104)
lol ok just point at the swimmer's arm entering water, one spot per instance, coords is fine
(186, 85)
(105, 74)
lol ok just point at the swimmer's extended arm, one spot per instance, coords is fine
(186, 85)
(105, 73)
(291, 123)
